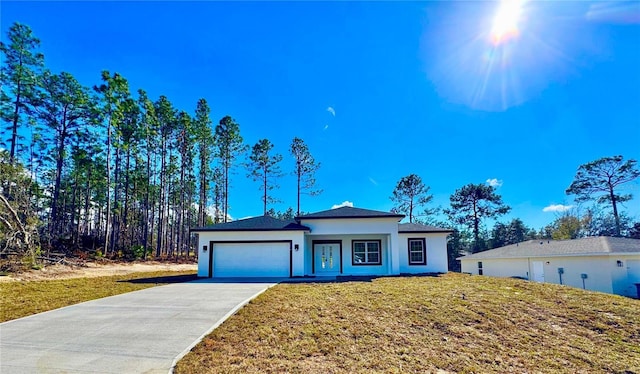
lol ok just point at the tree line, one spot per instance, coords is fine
(598, 181)
(112, 171)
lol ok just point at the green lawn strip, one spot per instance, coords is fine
(20, 299)
(455, 323)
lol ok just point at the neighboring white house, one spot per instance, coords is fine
(602, 263)
(342, 241)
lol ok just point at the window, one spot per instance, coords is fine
(366, 252)
(417, 251)
(479, 267)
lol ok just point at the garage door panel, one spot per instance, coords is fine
(251, 260)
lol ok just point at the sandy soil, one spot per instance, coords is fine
(94, 270)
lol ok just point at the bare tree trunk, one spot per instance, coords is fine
(107, 230)
(86, 202)
(115, 233)
(612, 196)
(55, 221)
(14, 125)
(126, 197)
(159, 239)
(74, 234)
(145, 235)
(226, 187)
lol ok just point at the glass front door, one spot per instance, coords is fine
(327, 258)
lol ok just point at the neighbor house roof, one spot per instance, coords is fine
(419, 228)
(262, 223)
(349, 212)
(596, 245)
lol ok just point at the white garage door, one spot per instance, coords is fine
(251, 260)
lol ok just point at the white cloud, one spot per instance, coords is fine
(557, 208)
(325, 127)
(211, 212)
(494, 182)
(344, 203)
(373, 181)
(332, 111)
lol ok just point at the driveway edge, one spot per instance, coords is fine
(215, 326)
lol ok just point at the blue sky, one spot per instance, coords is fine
(416, 87)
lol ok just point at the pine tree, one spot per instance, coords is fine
(20, 75)
(409, 194)
(305, 170)
(205, 143)
(264, 168)
(229, 146)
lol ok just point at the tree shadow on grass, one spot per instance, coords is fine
(165, 279)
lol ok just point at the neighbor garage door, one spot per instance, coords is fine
(251, 260)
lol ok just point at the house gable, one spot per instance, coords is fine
(349, 212)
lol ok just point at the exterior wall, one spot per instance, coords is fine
(507, 267)
(596, 268)
(603, 273)
(347, 267)
(384, 229)
(624, 277)
(348, 226)
(297, 237)
(436, 252)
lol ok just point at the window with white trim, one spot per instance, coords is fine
(417, 251)
(366, 252)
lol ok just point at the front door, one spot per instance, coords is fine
(327, 258)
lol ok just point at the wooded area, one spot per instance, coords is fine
(111, 173)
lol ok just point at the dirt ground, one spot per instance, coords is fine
(91, 270)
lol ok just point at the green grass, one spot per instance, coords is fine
(20, 299)
(424, 324)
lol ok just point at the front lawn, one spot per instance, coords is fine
(451, 323)
(20, 299)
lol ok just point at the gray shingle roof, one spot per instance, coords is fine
(575, 247)
(262, 223)
(349, 212)
(416, 227)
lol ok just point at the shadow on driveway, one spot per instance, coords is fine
(169, 279)
(255, 280)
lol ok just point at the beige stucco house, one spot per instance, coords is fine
(603, 264)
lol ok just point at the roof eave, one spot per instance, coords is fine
(351, 217)
(205, 229)
(472, 257)
(425, 232)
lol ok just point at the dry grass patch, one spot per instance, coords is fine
(20, 299)
(425, 324)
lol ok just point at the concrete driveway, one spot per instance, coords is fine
(137, 332)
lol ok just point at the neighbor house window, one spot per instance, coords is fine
(367, 252)
(479, 267)
(417, 251)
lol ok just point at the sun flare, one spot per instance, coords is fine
(505, 22)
